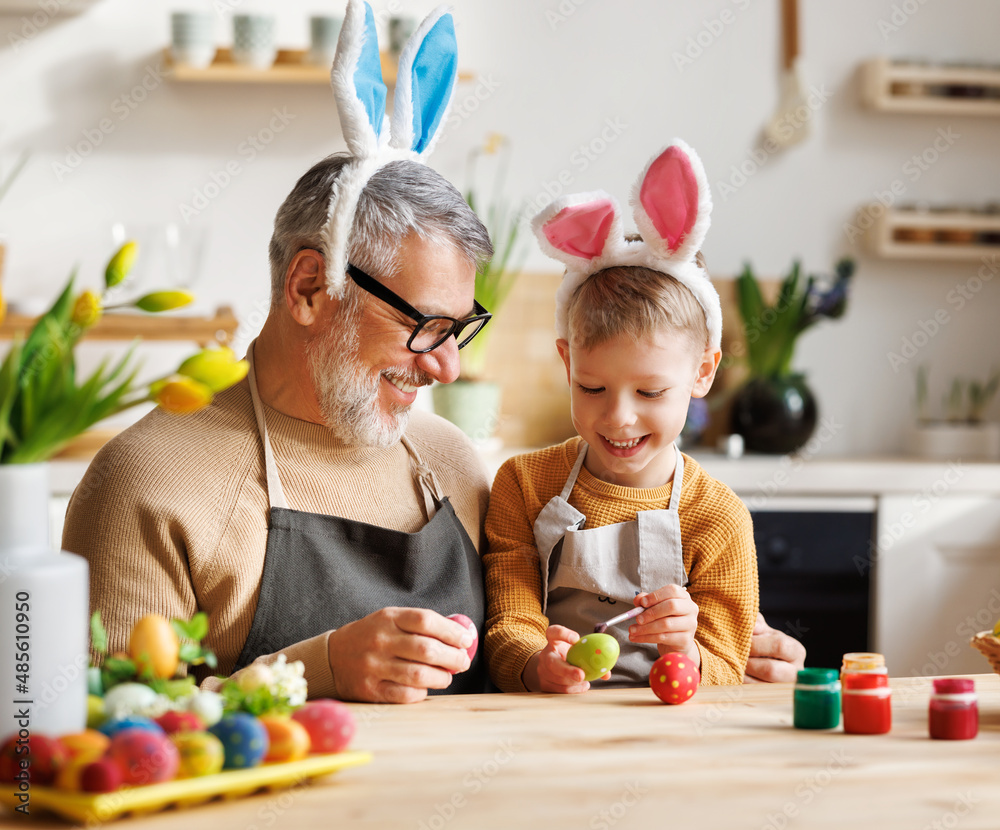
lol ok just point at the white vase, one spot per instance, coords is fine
(945, 441)
(44, 602)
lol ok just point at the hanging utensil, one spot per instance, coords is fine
(790, 123)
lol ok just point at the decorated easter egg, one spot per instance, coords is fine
(289, 740)
(244, 740)
(254, 677)
(674, 678)
(88, 745)
(207, 706)
(101, 776)
(129, 699)
(96, 713)
(112, 726)
(330, 724)
(201, 753)
(596, 654)
(154, 646)
(42, 758)
(172, 722)
(144, 757)
(464, 620)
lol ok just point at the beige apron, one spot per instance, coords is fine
(589, 576)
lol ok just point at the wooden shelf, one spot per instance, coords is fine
(927, 234)
(291, 66)
(930, 90)
(220, 328)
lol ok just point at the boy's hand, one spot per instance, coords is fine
(670, 620)
(548, 671)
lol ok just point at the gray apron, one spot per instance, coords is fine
(322, 572)
(589, 576)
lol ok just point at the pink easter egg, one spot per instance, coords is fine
(144, 757)
(330, 725)
(674, 678)
(464, 620)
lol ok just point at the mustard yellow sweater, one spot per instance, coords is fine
(172, 514)
(716, 534)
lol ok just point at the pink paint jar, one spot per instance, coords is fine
(954, 710)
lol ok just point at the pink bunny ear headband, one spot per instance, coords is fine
(425, 84)
(672, 206)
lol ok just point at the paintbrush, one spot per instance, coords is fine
(600, 628)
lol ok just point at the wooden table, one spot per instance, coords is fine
(618, 758)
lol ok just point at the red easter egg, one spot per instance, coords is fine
(101, 776)
(173, 722)
(464, 620)
(289, 740)
(674, 678)
(36, 759)
(144, 757)
(330, 724)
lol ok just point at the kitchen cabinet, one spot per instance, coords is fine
(937, 580)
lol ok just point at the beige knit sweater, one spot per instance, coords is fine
(172, 514)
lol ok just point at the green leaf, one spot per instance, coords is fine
(196, 629)
(189, 652)
(98, 634)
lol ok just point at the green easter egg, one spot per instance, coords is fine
(596, 654)
(96, 713)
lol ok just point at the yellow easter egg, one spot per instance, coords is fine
(154, 646)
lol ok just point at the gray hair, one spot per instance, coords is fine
(400, 198)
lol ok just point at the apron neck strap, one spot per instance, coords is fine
(275, 492)
(426, 481)
(581, 456)
(675, 490)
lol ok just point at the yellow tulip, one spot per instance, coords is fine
(120, 264)
(164, 300)
(86, 309)
(181, 395)
(218, 369)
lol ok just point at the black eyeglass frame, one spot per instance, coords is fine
(375, 288)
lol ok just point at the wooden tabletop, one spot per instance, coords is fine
(729, 758)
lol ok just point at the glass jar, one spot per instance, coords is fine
(954, 710)
(862, 662)
(817, 699)
(867, 704)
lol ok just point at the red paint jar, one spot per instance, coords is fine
(954, 710)
(867, 704)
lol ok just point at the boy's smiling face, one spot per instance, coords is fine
(630, 399)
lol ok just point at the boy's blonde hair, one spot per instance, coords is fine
(637, 302)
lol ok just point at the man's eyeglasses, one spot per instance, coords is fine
(431, 329)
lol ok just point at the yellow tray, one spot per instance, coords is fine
(189, 792)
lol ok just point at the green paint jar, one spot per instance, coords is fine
(817, 699)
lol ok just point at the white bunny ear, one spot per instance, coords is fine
(425, 83)
(356, 77)
(672, 203)
(578, 229)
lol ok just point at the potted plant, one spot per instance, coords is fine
(961, 431)
(775, 411)
(44, 405)
(473, 401)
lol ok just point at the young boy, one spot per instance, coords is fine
(618, 517)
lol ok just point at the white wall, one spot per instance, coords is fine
(552, 75)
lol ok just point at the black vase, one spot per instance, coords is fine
(774, 415)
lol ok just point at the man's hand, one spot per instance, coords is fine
(670, 621)
(548, 671)
(774, 656)
(395, 655)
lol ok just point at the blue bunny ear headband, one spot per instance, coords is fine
(425, 84)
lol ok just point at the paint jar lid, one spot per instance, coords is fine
(863, 661)
(817, 677)
(954, 686)
(863, 680)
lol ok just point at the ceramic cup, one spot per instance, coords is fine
(323, 33)
(192, 38)
(254, 40)
(400, 29)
